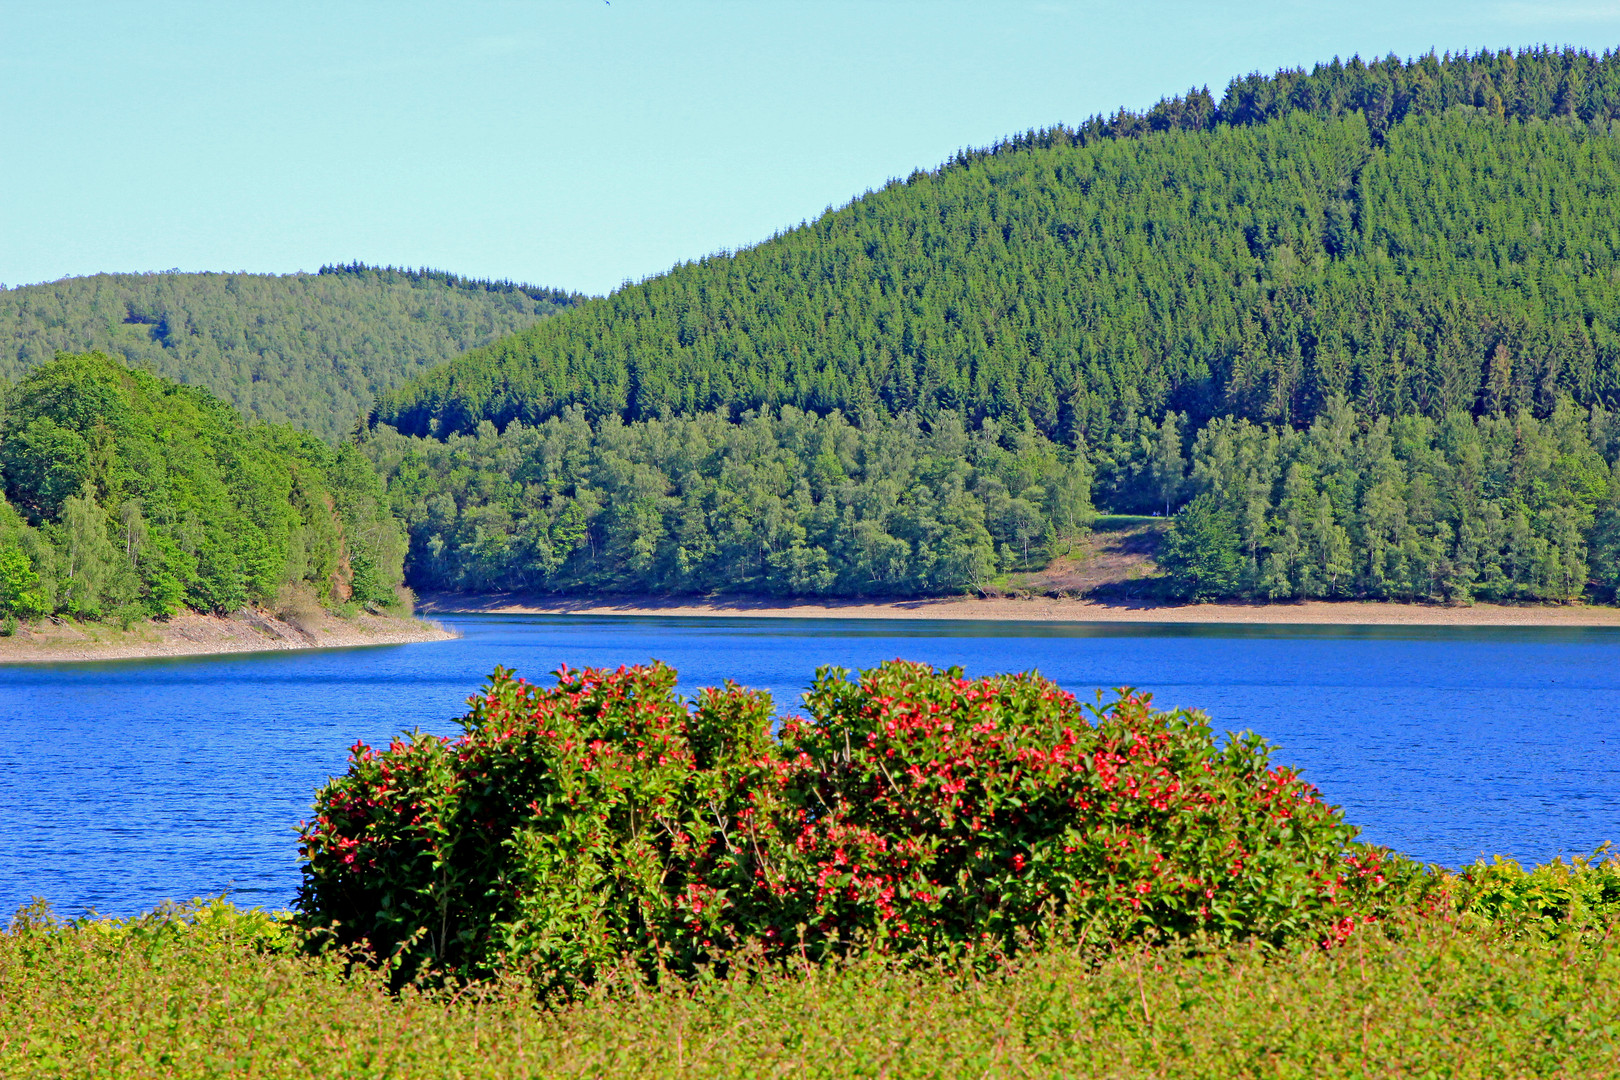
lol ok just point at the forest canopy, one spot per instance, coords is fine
(129, 496)
(1421, 237)
(312, 350)
(1502, 508)
(787, 503)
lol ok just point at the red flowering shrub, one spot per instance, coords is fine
(914, 811)
(567, 827)
(939, 812)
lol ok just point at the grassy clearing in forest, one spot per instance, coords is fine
(1113, 562)
(214, 991)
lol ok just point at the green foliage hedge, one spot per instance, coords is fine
(128, 496)
(913, 812)
(1579, 897)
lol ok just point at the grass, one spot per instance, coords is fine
(1113, 559)
(210, 990)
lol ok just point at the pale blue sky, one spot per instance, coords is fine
(577, 143)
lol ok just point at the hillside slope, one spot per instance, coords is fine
(1419, 237)
(312, 350)
(1360, 327)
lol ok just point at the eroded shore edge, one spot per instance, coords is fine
(191, 634)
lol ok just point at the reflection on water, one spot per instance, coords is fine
(128, 782)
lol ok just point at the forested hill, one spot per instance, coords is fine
(313, 350)
(1420, 237)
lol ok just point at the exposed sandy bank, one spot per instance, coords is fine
(200, 635)
(1037, 609)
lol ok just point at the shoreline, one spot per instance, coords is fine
(191, 634)
(1033, 609)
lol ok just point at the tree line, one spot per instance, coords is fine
(785, 502)
(1538, 83)
(1498, 507)
(128, 496)
(1357, 328)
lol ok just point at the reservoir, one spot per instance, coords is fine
(126, 783)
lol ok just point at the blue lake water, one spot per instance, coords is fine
(126, 783)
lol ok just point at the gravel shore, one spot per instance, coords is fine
(191, 634)
(1036, 609)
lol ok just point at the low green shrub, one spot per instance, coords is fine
(1580, 896)
(914, 812)
(183, 998)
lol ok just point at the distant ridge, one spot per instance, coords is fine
(313, 350)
